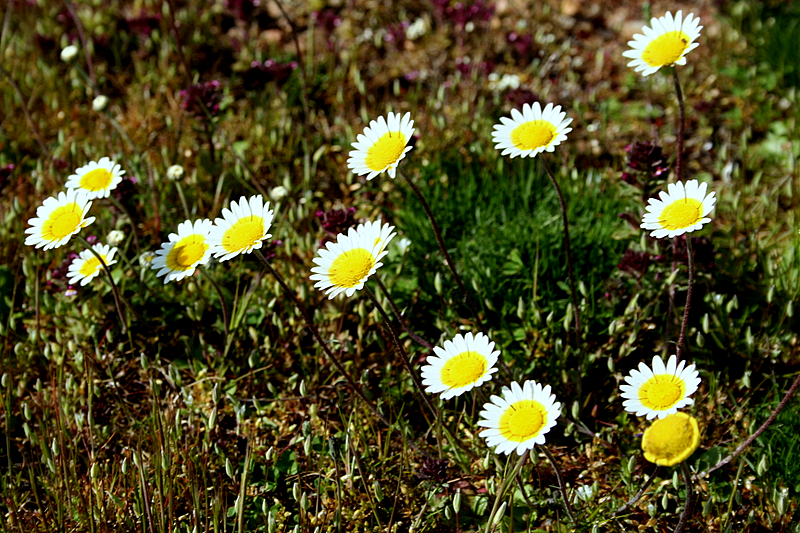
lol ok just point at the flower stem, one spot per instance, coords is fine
(568, 250)
(318, 338)
(739, 449)
(400, 351)
(117, 299)
(507, 480)
(690, 261)
(225, 319)
(403, 323)
(442, 247)
(681, 125)
(687, 506)
(561, 485)
(639, 494)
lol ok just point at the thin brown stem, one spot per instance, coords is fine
(681, 125)
(117, 299)
(403, 323)
(319, 339)
(561, 485)
(401, 351)
(438, 233)
(568, 250)
(690, 261)
(687, 506)
(739, 449)
(639, 494)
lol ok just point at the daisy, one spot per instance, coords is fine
(665, 43)
(344, 265)
(98, 179)
(659, 391)
(58, 219)
(382, 146)
(520, 418)
(86, 266)
(464, 363)
(671, 440)
(531, 132)
(241, 229)
(680, 210)
(185, 250)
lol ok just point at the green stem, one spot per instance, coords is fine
(507, 480)
(117, 299)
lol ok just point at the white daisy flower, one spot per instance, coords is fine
(532, 131)
(520, 418)
(58, 219)
(86, 266)
(680, 210)
(665, 43)
(98, 179)
(382, 146)
(241, 229)
(344, 265)
(185, 250)
(464, 363)
(659, 391)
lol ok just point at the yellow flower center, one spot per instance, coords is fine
(386, 151)
(463, 369)
(533, 134)
(96, 180)
(662, 391)
(671, 440)
(246, 232)
(523, 420)
(63, 221)
(91, 265)
(187, 252)
(666, 49)
(681, 214)
(351, 267)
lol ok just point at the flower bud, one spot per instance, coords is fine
(69, 53)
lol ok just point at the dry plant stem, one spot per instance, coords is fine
(225, 319)
(401, 352)
(442, 247)
(690, 261)
(300, 62)
(687, 506)
(117, 300)
(639, 494)
(28, 118)
(561, 485)
(739, 449)
(318, 338)
(568, 250)
(396, 311)
(681, 124)
(507, 480)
